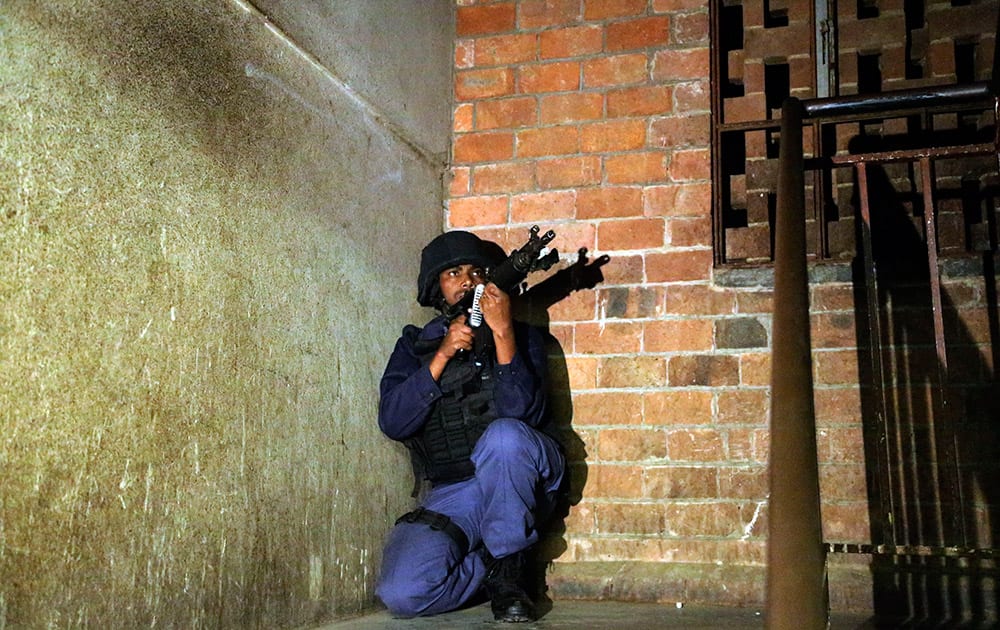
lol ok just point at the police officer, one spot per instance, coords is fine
(468, 404)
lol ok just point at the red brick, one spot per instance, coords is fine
(706, 370)
(504, 50)
(678, 65)
(690, 232)
(801, 73)
(631, 302)
(681, 482)
(669, 6)
(608, 338)
(458, 186)
(684, 200)
(680, 131)
(941, 56)
(579, 306)
(559, 140)
(619, 135)
(490, 18)
(678, 406)
(699, 299)
(640, 33)
(640, 101)
(560, 76)
(833, 330)
(678, 266)
(744, 406)
(575, 235)
(690, 28)
(502, 178)
(748, 445)
(755, 302)
(744, 108)
(615, 482)
(632, 371)
(546, 206)
(573, 41)
(608, 202)
(636, 168)
(563, 335)
(692, 96)
(695, 445)
(842, 482)
(506, 113)
(688, 165)
(560, 108)
(841, 444)
(839, 367)
(744, 483)
(483, 147)
(749, 243)
(853, 34)
(615, 70)
(569, 171)
(615, 445)
(677, 335)
(601, 549)
(832, 297)
(605, 9)
(972, 323)
(475, 84)
(755, 369)
(465, 53)
(845, 522)
(837, 406)
(461, 118)
(541, 13)
(470, 211)
(630, 234)
(631, 518)
(582, 372)
(496, 234)
(582, 521)
(622, 269)
(607, 408)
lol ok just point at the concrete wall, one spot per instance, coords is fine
(207, 247)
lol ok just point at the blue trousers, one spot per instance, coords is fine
(518, 473)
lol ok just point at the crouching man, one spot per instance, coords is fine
(468, 403)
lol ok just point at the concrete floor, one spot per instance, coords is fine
(582, 614)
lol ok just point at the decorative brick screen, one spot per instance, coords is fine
(765, 51)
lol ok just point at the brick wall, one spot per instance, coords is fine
(592, 118)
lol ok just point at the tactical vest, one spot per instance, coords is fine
(441, 451)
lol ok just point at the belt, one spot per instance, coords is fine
(437, 522)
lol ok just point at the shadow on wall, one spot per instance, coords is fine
(932, 448)
(532, 307)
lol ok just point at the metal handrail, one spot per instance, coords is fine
(797, 594)
(796, 561)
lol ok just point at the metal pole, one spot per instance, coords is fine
(796, 559)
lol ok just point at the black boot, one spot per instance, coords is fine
(505, 587)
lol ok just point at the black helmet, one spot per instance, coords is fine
(446, 251)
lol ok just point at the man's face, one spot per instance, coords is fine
(458, 280)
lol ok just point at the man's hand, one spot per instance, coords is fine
(495, 305)
(458, 337)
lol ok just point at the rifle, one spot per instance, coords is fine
(534, 255)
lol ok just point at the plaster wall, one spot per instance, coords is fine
(207, 246)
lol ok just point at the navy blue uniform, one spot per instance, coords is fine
(518, 470)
